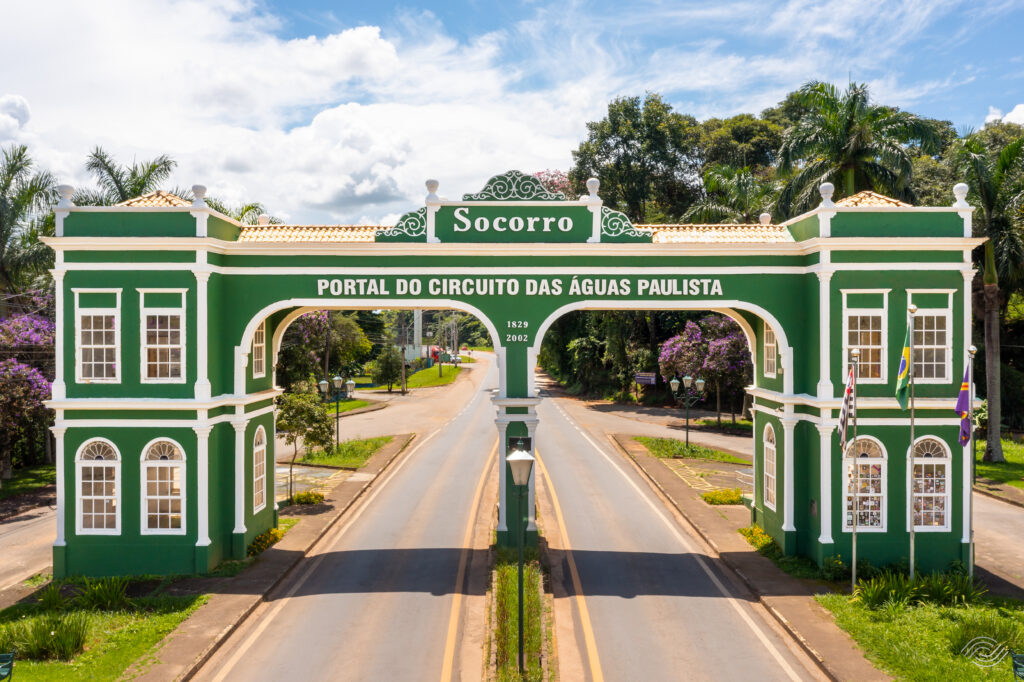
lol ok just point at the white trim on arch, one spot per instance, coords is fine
(114, 464)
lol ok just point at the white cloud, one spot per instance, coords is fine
(993, 115)
(1015, 115)
(346, 127)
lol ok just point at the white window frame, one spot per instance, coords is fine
(769, 478)
(946, 312)
(143, 312)
(145, 466)
(81, 464)
(259, 483)
(947, 461)
(79, 312)
(883, 312)
(883, 461)
(771, 352)
(259, 351)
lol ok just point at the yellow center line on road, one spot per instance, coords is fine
(581, 604)
(467, 541)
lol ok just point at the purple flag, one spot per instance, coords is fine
(963, 408)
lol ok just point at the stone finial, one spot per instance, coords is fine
(765, 218)
(432, 186)
(960, 192)
(198, 196)
(827, 189)
(66, 192)
(593, 184)
(263, 219)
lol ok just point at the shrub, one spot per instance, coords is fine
(760, 540)
(104, 594)
(833, 568)
(724, 496)
(47, 636)
(264, 540)
(886, 587)
(50, 598)
(308, 497)
(976, 623)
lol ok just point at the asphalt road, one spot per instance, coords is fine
(27, 542)
(374, 600)
(659, 608)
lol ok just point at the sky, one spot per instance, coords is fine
(337, 112)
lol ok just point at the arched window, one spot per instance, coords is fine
(769, 466)
(931, 484)
(163, 488)
(259, 470)
(98, 488)
(864, 480)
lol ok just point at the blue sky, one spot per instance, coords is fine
(338, 111)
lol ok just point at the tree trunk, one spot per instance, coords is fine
(291, 468)
(849, 183)
(993, 446)
(327, 352)
(718, 401)
(6, 473)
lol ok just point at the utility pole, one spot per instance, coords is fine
(401, 333)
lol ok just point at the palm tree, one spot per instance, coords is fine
(120, 182)
(732, 195)
(24, 196)
(994, 176)
(246, 213)
(845, 139)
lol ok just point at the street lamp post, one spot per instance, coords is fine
(687, 398)
(521, 463)
(337, 382)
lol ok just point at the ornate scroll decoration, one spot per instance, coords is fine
(615, 224)
(411, 225)
(514, 186)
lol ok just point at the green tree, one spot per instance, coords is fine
(994, 175)
(733, 195)
(932, 181)
(245, 213)
(646, 156)
(741, 141)
(25, 196)
(388, 367)
(302, 416)
(845, 139)
(118, 182)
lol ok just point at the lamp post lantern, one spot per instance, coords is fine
(521, 463)
(687, 399)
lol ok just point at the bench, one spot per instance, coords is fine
(1017, 663)
(6, 666)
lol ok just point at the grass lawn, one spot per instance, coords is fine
(670, 448)
(428, 377)
(1012, 472)
(347, 405)
(350, 454)
(505, 619)
(741, 426)
(116, 638)
(486, 349)
(28, 479)
(924, 642)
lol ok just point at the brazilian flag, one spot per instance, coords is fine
(903, 378)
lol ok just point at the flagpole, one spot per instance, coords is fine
(970, 496)
(910, 453)
(855, 353)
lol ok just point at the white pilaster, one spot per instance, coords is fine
(58, 436)
(59, 389)
(201, 214)
(825, 217)
(241, 363)
(787, 366)
(531, 372)
(966, 212)
(531, 493)
(825, 390)
(62, 209)
(239, 422)
(788, 427)
(202, 386)
(433, 203)
(202, 483)
(825, 495)
(502, 483)
(594, 204)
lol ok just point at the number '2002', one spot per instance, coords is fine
(515, 338)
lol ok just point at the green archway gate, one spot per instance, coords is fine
(170, 316)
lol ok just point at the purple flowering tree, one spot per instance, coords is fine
(554, 181)
(22, 392)
(683, 354)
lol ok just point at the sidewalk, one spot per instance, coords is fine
(183, 651)
(788, 599)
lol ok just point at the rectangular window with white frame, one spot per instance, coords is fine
(162, 322)
(770, 352)
(865, 316)
(259, 351)
(97, 336)
(933, 335)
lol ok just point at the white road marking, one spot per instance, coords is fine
(691, 548)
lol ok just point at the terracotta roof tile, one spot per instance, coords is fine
(719, 234)
(867, 198)
(158, 198)
(308, 233)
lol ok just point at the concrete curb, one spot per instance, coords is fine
(786, 625)
(256, 600)
(986, 493)
(378, 405)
